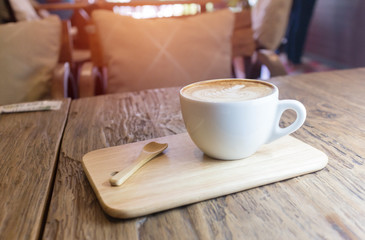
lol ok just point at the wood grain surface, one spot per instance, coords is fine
(29, 144)
(328, 204)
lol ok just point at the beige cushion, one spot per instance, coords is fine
(152, 53)
(29, 53)
(269, 22)
(23, 10)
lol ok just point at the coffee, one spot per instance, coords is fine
(229, 90)
(225, 121)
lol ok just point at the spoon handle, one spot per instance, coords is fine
(124, 174)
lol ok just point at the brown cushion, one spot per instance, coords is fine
(151, 53)
(29, 53)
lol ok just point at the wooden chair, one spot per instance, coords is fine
(93, 77)
(74, 57)
(64, 83)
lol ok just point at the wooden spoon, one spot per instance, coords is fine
(149, 151)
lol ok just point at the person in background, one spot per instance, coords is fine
(300, 16)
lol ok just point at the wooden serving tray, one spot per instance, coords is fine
(183, 174)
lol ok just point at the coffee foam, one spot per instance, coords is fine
(227, 90)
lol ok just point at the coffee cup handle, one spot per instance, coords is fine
(284, 105)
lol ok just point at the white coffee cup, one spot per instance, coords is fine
(232, 118)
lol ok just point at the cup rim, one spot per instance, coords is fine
(230, 79)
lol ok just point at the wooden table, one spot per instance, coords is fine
(29, 144)
(328, 204)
